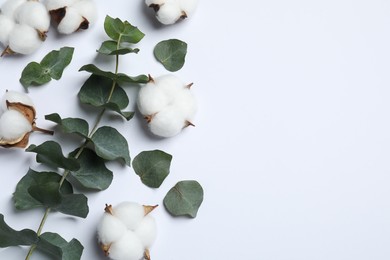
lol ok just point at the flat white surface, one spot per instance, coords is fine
(292, 138)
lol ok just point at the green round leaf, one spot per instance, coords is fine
(184, 198)
(152, 167)
(171, 54)
(110, 144)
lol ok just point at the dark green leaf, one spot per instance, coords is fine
(112, 48)
(51, 66)
(110, 144)
(119, 78)
(171, 53)
(152, 167)
(184, 198)
(34, 74)
(54, 245)
(11, 237)
(55, 62)
(47, 194)
(122, 31)
(74, 204)
(96, 91)
(22, 198)
(70, 125)
(50, 153)
(93, 173)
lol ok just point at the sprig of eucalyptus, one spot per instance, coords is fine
(86, 165)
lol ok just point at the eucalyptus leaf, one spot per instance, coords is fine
(50, 153)
(93, 173)
(47, 194)
(11, 237)
(184, 198)
(120, 31)
(97, 91)
(171, 54)
(110, 144)
(73, 204)
(23, 199)
(52, 66)
(56, 246)
(70, 125)
(119, 78)
(112, 48)
(152, 167)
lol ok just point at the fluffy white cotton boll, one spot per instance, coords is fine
(71, 21)
(57, 4)
(188, 6)
(110, 229)
(147, 231)
(87, 9)
(151, 99)
(170, 84)
(24, 39)
(33, 14)
(10, 6)
(128, 247)
(154, 2)
(169, 13)
(186, 103)
(15, 97)
(167, 123)
(13, 125)
(130, 213)
(6, 27)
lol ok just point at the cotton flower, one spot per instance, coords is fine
(7, 24)
(171, 11)
(127, 231)
(17, 119)
(167, 104)
(23, 26)
(72, 15)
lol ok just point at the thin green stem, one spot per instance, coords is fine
(66, 172)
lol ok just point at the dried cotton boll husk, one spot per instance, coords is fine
(167, 123)
(15, 97)
(110, 229)
(169, 13)
(24, 39)
(9, 7)
(147, 231)
(130, 213)
(13, 127)
(71, 21)
(128, 247)
(35, 15)
(6, 27)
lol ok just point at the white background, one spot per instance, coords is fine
(292, 136)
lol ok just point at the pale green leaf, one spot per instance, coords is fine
(120, 31)
(70, 125)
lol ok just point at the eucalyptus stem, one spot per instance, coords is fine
(66, 172)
